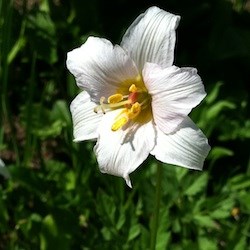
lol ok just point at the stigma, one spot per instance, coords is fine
(132, 103)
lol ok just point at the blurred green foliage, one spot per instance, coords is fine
(56, 197)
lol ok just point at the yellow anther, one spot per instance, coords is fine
(132, 88)
(134, 110)
(119, 123)
(131, 101)
(115, 98)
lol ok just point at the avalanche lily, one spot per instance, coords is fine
(136, 102)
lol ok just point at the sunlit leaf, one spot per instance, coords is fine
(212, 96)
(204, 221)
(134, 232)
(198, 185)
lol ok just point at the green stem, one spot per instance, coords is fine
(28, 146)
(155, 219)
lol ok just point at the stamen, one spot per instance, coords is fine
(108, 106)
(133, 88)
(136, 100)
(117, 105)
(119, 123)
(102, 104)
(145, 101)
(134, 111)
(115, 98)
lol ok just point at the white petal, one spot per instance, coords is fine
(187, 147)
(100, 68)
(151, 38)
(174, 91)
(85, 120)
(119, 153)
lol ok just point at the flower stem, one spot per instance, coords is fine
(155, 219)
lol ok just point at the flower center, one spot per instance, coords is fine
(135, 102)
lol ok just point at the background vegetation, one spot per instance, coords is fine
(56, 197)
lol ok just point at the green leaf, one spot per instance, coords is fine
(134, 231)
(4, 216)
(121, 220)
(57, 229)
(19, 45)
(204, 221)
(181, 173)
(106, 208)
(70, 180)
(207, 244)
(49, 233)
(198, 185)
(41, 34)
(60, 111)
(212, 96)
(242, 243)
(219, 152)
(106, 233)
(244, 199)
(176, 226)
(223, 208)
(220, 214)
(217, 108)
(54, 130)
(163, 240)
(240, 182)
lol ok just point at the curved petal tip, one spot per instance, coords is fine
(128, 181)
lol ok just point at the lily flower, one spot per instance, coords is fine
(135, 101)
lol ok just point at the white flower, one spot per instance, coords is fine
(135, 101)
